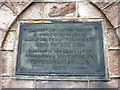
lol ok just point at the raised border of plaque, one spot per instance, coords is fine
(25, 30)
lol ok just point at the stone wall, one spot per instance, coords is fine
(12, 13)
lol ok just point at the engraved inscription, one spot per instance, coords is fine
(61, 49)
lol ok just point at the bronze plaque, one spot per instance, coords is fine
(60, 49)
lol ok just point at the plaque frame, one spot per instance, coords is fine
(58, 77)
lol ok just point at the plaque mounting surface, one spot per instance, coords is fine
(60, 49)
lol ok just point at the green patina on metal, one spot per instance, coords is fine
(60, 49)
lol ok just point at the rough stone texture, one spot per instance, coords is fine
(114, 60)
(9, 42)
(49, 10)
(112, 38)
(5, 82)
(119, 14)
(13, 83)
(14, 26)
(112, 14)
(2, 36)
(6, 62)
(1, 4)
(60, 84)
(7, 16)
(17, 6)
(118, 32)
(33, 12)
(103, 5)
(0, 63)
(119, 84)
(108, 24)
(86, 10)
(61, 9)
(0, 71)
(110, 84)
(0, 82)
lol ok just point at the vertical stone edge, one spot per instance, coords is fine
(2, 36)
(0, 70)
(119, 43)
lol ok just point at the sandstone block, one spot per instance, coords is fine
(114, 60)
(110, 84)
(112, 14)
(7, 16)
(33, 12)
(2, 36)
(10, 40)
(13, 83)
(6, 59)
(112, 38)
(60, 9)
(18, 7)
(86, 10)
(61, 84)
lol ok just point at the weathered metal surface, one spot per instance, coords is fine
(60, 49)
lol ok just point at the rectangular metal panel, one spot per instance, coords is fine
(60, 49)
